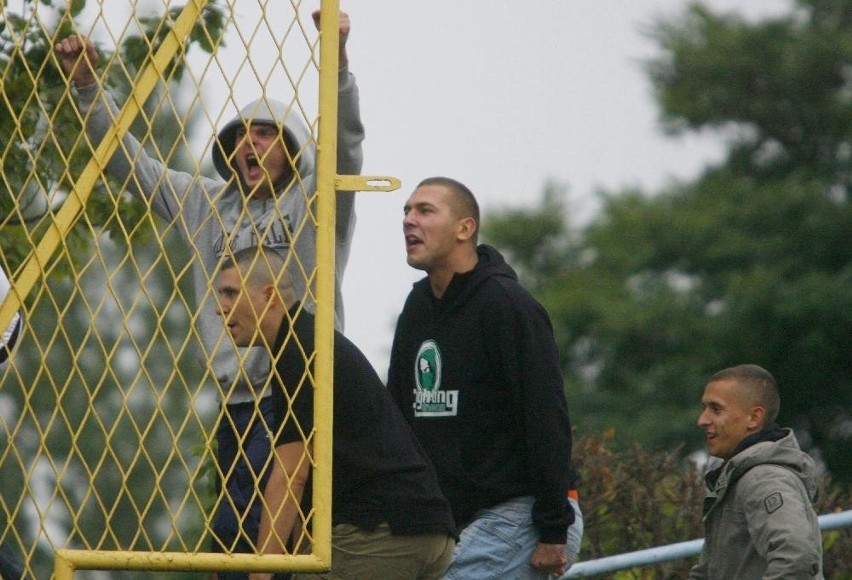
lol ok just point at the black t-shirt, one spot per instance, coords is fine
(380, 473)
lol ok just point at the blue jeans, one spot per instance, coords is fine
(500, 541)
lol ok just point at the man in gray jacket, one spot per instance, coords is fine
(758, 515)
(266, 159)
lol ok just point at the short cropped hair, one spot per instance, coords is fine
(260, 266)
(760, 384)
(465, 204)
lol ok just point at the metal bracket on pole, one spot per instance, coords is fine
(366, 183)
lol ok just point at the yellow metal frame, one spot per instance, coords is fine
(71, 210)
(69, 561)
(328, 182)
(324, 333)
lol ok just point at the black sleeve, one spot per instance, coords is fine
(292, 389)
(530, 358)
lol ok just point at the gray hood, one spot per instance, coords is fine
(784, 452)
(269, 112)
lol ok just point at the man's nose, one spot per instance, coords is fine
(247, 140)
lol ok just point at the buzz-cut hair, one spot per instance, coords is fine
(260, 266)
(761, 387)
(464, 202)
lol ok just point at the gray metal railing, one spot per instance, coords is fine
(677, 551)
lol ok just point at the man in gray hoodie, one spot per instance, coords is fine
(266, 159)
(758, 515)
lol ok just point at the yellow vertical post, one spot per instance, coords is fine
(326, 204)
(63, 568)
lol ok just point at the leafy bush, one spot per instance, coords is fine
(637, 499)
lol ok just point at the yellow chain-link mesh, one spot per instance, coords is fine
(106, 418)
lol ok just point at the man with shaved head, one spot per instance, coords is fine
(476, 372)
(758, 515)
(390, 520)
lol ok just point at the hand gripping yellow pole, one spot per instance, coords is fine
(328, 182)
(324, 341)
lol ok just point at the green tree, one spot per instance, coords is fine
(750, 262)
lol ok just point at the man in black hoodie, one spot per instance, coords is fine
(475, 370)
(389, 518)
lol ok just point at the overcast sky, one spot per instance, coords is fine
(502, 96)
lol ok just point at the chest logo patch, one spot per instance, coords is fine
(430, 400)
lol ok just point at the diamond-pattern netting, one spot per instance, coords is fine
(109, 407)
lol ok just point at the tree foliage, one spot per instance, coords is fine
(633, 499)
(783, 83)
(47, 144)
(749, 262)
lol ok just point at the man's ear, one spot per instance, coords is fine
(269, 292)
(467, 228)
(756, 418)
